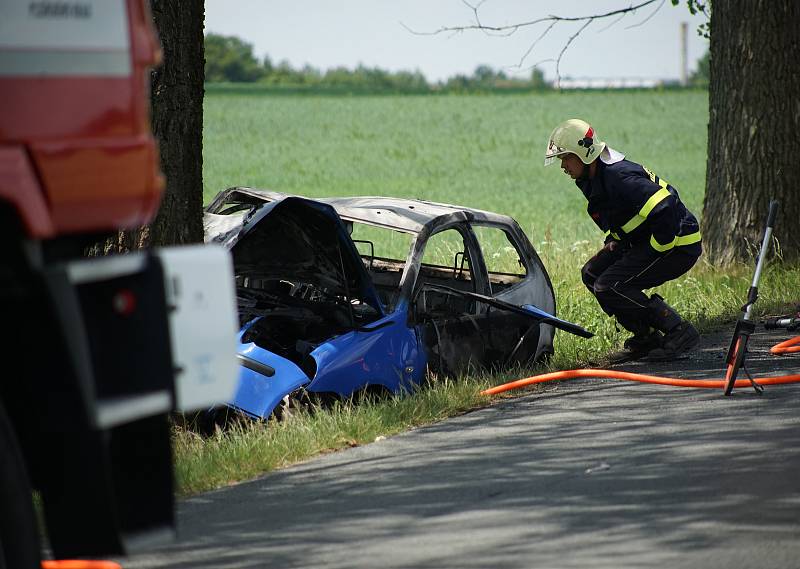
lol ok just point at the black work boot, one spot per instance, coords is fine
(679, 335)
(639, 344)
(644, 340)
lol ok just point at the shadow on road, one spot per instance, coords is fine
(646, 476)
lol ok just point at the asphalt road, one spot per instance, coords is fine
(586, 473)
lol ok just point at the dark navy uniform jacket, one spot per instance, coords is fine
(629, 203)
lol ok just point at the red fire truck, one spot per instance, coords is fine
(96, 353)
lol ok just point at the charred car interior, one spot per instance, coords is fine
(340, 295)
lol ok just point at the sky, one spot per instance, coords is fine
(393, 35)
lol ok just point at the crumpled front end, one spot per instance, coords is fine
(264, 380)
(300, 283)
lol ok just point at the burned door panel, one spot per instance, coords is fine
(512, 338)
(486, 322)
(516, 276)
(457, 340)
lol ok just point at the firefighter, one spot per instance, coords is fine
(651, 238)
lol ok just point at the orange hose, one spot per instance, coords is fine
(79, 564)
(789, 346)
(786, 347)
(608, 374)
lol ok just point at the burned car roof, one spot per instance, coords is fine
(401, 214)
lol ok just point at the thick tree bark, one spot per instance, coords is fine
(177, 122)
(177, 115)
(754, 128)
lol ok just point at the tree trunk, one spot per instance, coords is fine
(177, 115)
(754, 128)
(177, 123)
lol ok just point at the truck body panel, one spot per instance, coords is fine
(105, 348)
(74, 85)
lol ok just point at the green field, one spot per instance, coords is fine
(480, 151)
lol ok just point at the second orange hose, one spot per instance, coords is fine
(787, 347)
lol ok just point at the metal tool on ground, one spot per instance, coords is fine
(735, 359)
(792, 323)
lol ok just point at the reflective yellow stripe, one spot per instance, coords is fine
(659, 247)
(688, 239)
(676, 242)
(615, 236)
(648, 206)
(634, 222)
(654, 200)
(655, 179)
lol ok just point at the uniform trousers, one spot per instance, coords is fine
(617, 278)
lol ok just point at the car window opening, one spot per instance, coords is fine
(383, 252)
(445, 261)
(501, 255)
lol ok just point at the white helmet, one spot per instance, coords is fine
(573, 136)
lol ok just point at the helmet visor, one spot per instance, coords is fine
(552, 152)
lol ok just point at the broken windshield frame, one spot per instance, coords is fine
(385, 253)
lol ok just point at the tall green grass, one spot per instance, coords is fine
(480, 151)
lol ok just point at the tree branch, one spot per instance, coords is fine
(647, 19)
(537, 40)
(613, 23)
(512, 28)
(552, 20)
(564, 49)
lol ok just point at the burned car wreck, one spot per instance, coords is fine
(342, 295)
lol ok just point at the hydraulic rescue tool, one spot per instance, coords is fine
(745, 326)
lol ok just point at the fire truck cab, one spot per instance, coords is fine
(97, 352)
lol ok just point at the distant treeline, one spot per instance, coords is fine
(231, 60)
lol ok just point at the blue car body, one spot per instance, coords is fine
(389, 356)
(313, 320)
